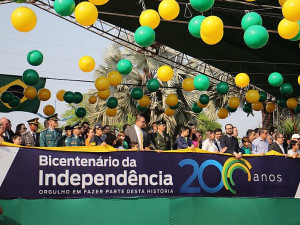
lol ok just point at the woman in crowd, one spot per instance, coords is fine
(209, 144)
(183, 141)
(89, 138)
(20, 129)
(192, 135)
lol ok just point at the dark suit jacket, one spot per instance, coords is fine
(231, 143)
(132, 135)
(10, 133)
(274, 146)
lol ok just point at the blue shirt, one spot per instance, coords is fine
(259, 146)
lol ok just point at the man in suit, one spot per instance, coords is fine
(31, 137)
(277, 145)
(7, 127)
(218, 135)
(51, 136)
(229, 143)
(136, 134)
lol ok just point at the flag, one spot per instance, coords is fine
(15, 85)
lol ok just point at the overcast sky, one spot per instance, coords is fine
(62, 45)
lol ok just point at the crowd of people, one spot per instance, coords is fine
(139, 137)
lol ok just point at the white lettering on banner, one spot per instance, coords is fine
(122, 179)
(267, 178)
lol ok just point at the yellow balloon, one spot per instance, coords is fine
(144, 101)
(291, 10)
(281, 2)
(299, 79)
(252, 96)
(257, 106)
(99, 2)
(201, 105)
(242, 80)
(30, 93)
(270, 107)
(23, 19)
(188, 84)
(291, 103)
(150, 18)
(212, 27)
(44, 94)
(92, 100)
(171, 100)
(212, 41)
(102, 83)
(103, 94)
(111, 112)
(60, 95)
(223, 113)
(169, 111)
(86, 13)
(86, 63)
(165, 73)
(288, 29)
(48, 110)
(168, 9)
(233, 102)
(114, 78)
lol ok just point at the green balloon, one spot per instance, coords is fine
(275, 79)
(262, 96)
(15, 102)
(140, 108)
(230, 109)
(19, 1)
(297, 109)
(297, 37)
(144, 36)
(69, 97)
(247, 108)
(281, 102)
(124, 66)
(153, 85)
(222, 88)
(80, 112)
(64, 7)
(7, 97)
(256, 37)
(202, 5)
(78, 97)
(30, 77)
(136, 93)
(35, 58)
(196, 108)
(251, 19)
(175, 106)
(112, 102)
(204, 99)
(201, 82)
(195, 25)
(286, 89)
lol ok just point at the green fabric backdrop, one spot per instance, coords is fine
(155, 211)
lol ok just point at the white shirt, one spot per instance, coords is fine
(138, 131)
(209, 145)
(291, 152)
(218, 143)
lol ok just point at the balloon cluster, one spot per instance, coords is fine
(255, 36)
(289, 26)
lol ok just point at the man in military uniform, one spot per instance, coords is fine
(31, 137)
(75, 139)
(162, 139)
(51, 136)
(68, 133)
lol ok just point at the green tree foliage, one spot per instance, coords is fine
(207, 124)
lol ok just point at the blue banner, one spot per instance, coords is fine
(37, 173)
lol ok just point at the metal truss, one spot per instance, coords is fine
(157, 51)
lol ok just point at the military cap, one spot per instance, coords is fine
(53, 117)
(76, 125)
(160, 122)
(68, 128)
(34, 121)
